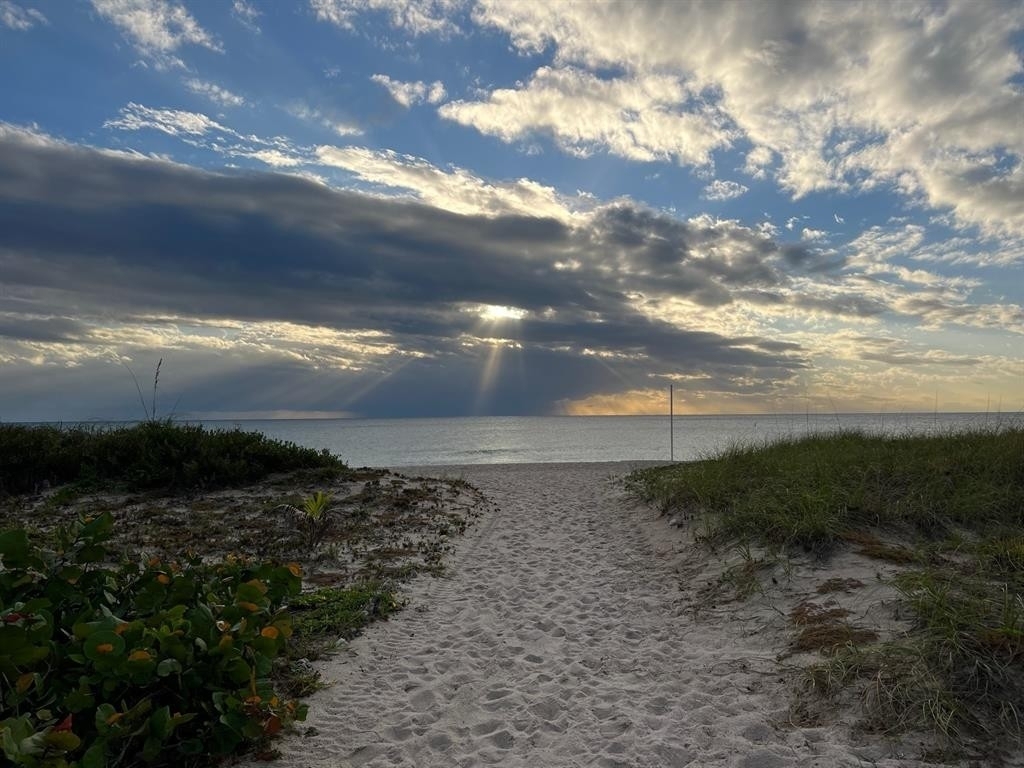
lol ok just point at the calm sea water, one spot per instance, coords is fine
(515, 439)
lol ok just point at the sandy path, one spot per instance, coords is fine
(558, 639)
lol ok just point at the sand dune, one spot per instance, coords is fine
(561, 637)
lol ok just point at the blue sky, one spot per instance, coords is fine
(456, 207)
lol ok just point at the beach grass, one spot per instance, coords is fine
(945, 511)
(811, 492)
(151, 455)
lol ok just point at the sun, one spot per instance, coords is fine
(494, 313)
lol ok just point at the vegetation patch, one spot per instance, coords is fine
(152, 455)
(808, 493)
(945, 514)
(137, 663)
(341, 612)
(163, 623)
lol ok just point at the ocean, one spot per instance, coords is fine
(544, 439)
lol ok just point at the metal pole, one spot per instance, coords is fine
(671, 426)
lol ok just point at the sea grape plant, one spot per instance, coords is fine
(147, 663)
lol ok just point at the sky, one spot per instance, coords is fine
(507, 207)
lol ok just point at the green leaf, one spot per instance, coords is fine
(140, 709)
(15, 549)
(250, 593)
(79, 700)
(91, 553)
(265, 646)
(64, 741)
(95, 756)
(103, 714)
(192, 747)
(151, 749)
(238, 671)
(98, 529)
(160, 725)
(103, 645)
(168, 667)
(38, 605)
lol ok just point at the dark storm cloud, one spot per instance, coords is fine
(663, 249)
(107, 238)
(46, 329)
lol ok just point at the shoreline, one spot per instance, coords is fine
(621, 465)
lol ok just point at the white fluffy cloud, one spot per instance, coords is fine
(246, 14)
(215, 93)
(415, 16)
(13, 16)
(813, 234)
(416, 92)
(641, 117)
(157, 28)
(454, 190)
(920, 97)
(173, 122)
(723, 190)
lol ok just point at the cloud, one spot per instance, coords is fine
(14, 16)
(757, 162)
(309, 114)
(924, 98)
(246, 14)
(173, 122)
(156, 28)
(723, 190)
(418, 17)
(408, 94)
(273, 157)
(215, 93)
(455, 189)
(378, 286)
(199, 130)
(728, 262)
(645, 118)
(334, 299)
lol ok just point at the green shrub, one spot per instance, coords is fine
(136, 664)
(146, 456)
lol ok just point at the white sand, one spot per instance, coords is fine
(562, 637)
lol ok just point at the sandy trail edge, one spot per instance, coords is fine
(560, 638)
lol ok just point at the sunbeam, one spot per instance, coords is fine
(493, 318)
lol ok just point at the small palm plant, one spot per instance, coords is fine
(313, 516)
